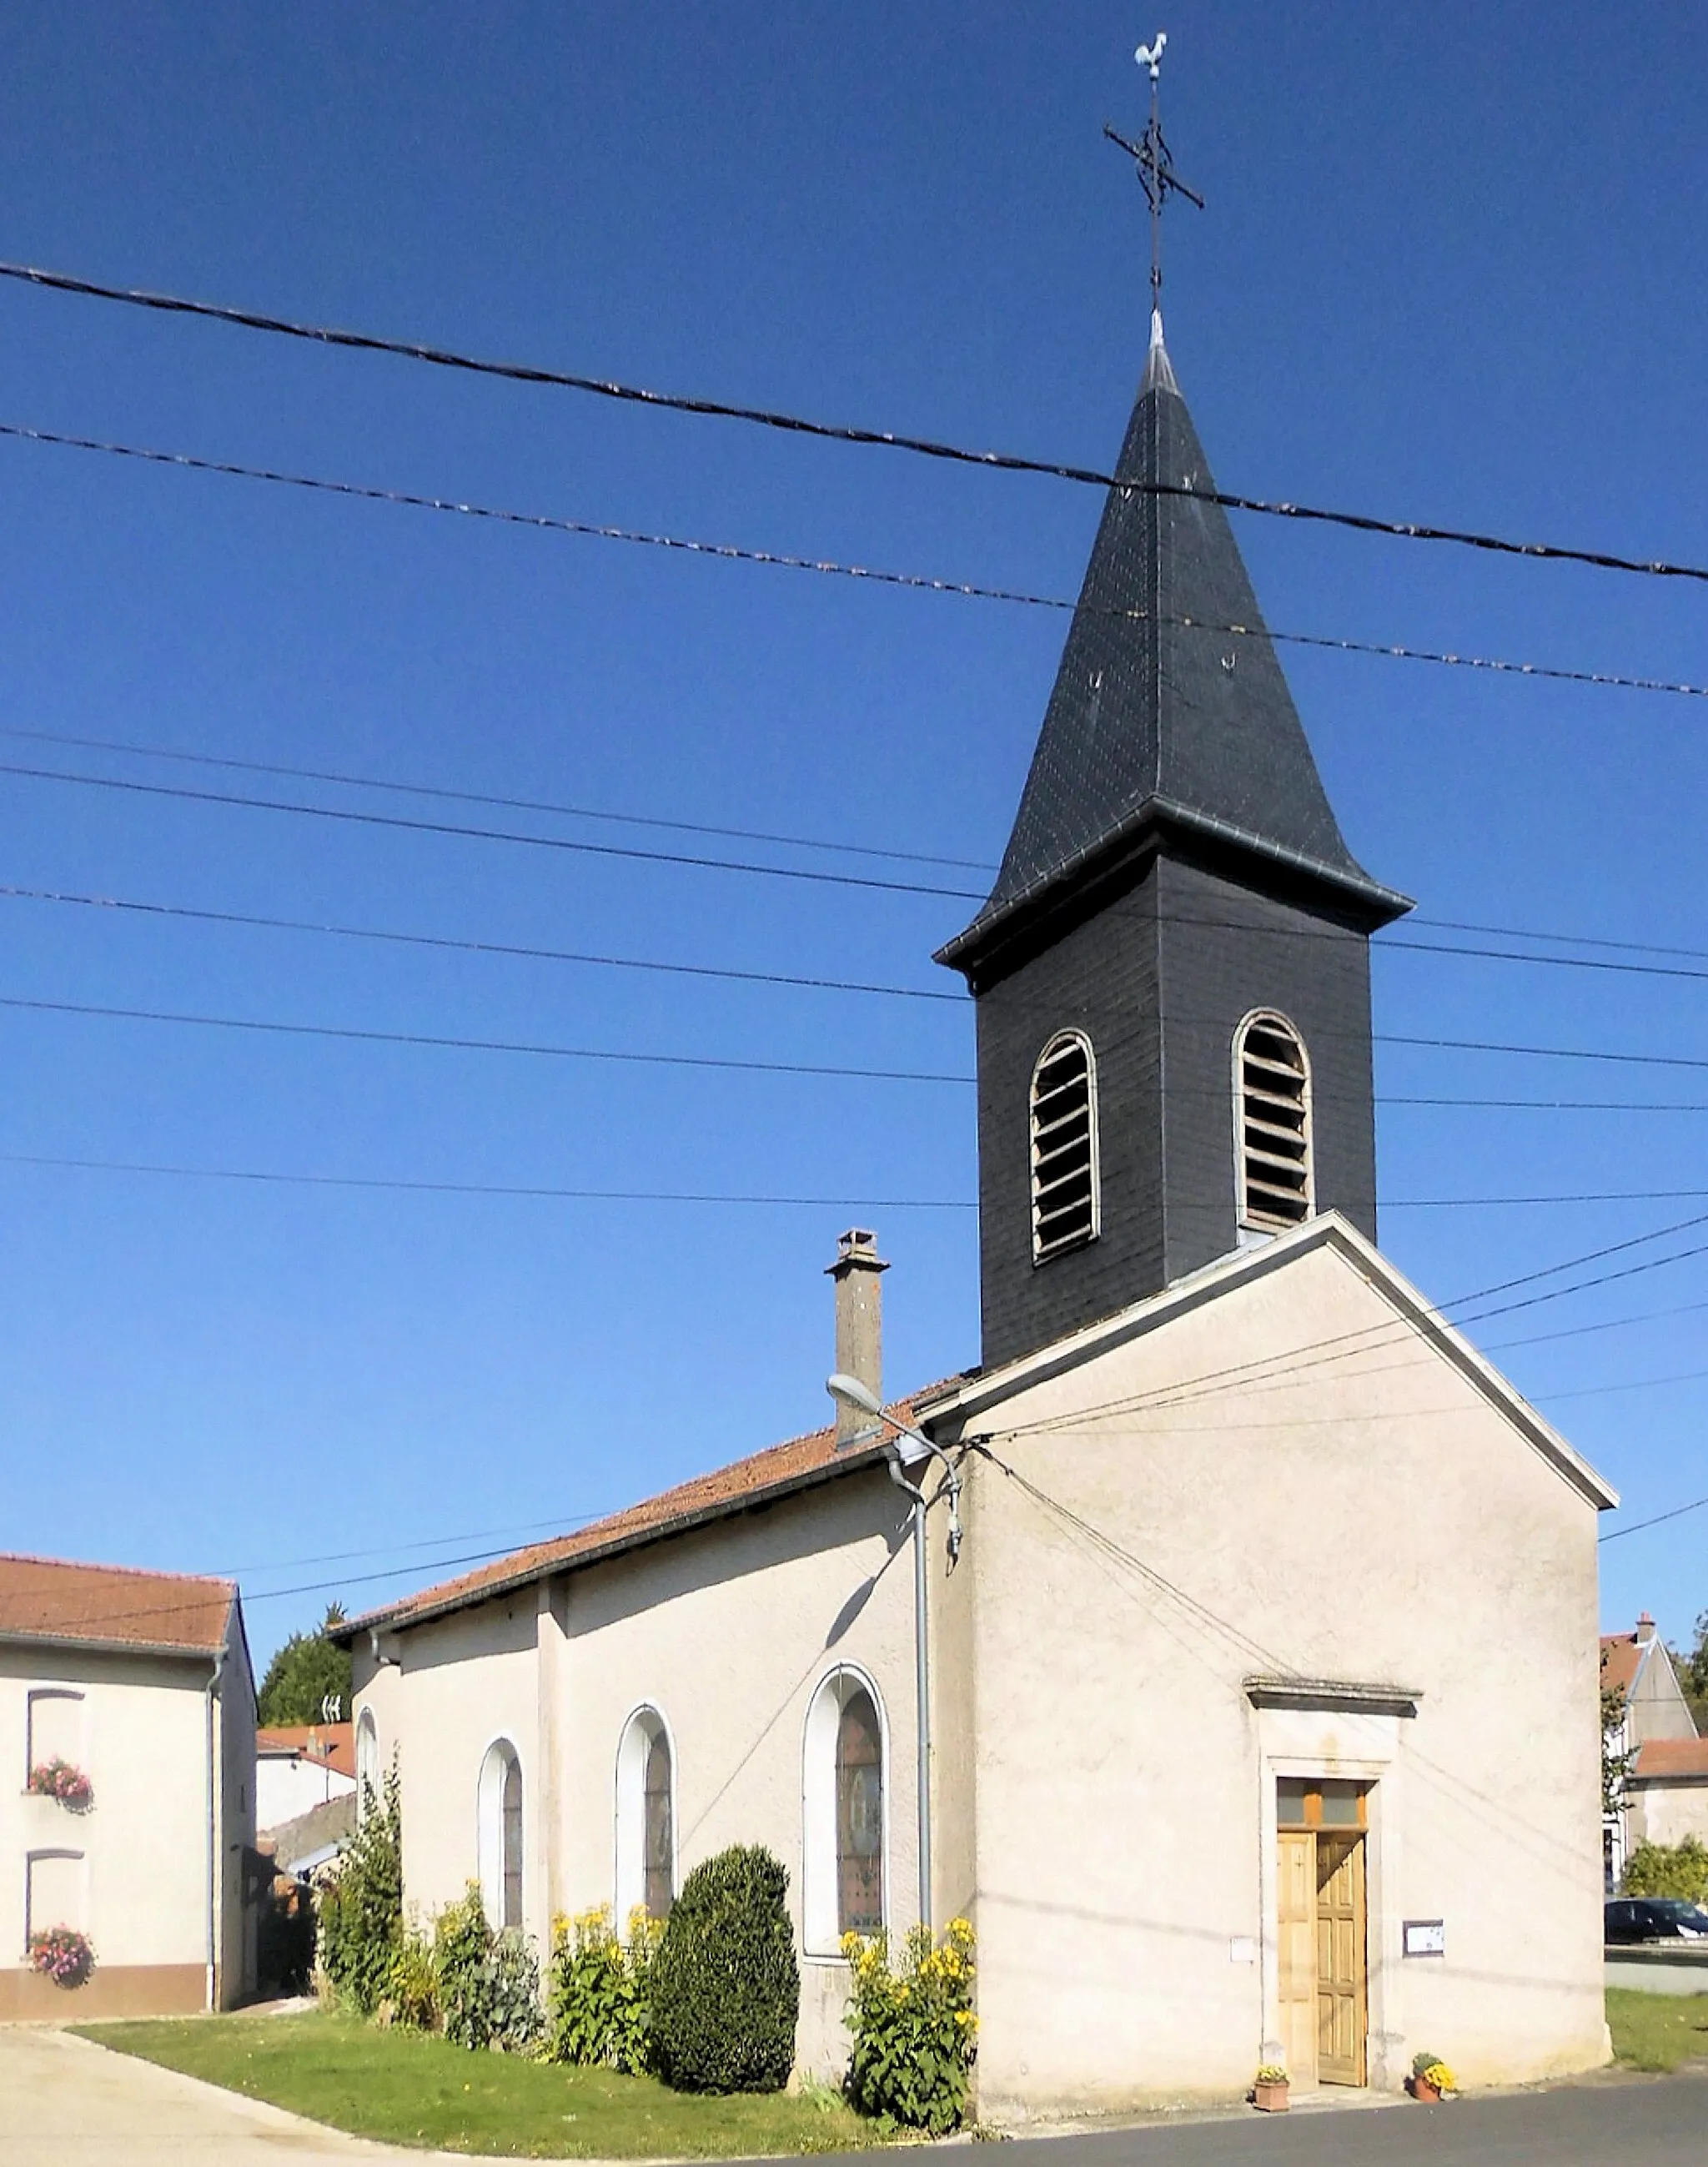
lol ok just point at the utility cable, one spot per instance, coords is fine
(797, 425)
(350, 816)
(512, 951)
(548, 1192)
(486, 798)
(254, 920)
(734, 554)
(439, 1040)
(496, 1189)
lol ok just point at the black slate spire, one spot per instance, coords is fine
(1176, 891)
(1162, 716)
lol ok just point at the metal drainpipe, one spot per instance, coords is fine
(922, 1686)
(212, 1835)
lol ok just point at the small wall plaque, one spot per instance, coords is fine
(1425, 1937)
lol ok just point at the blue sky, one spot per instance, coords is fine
(1451, 269)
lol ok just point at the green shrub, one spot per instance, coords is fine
(489, 1984)
(1659, 1869)
(726, 1988)
(914, 2031)
(601, 1997)
(411, 1985)
(359, 1911)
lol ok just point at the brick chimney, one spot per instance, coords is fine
(1645, 1624)
(859, 1323)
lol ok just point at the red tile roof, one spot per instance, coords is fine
(328, 1745)
(1619, 1654)
(797, 1464)
(56, 1599)
(1661, 1760)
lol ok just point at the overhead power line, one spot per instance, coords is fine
(1637, 1527)
(732, 553)
(445, 795)
(352, 816)
(508, 950)
(443, 1042)
(798, 425)
(540, 1190)
(549, 1192)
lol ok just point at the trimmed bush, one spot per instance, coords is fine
(1660, 1869)
(725, 1986)
(359, 1910)
(601, 2013)
(914, 2031)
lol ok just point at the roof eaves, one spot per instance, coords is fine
(420, 1610)
(1371, 898)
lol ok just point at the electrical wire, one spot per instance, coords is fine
(733, 552)
(506, 949)
(797, 425)
(1637, 1527)
(129, 746)
(256, 920)
(354, 816)
(496, 1189)
(373, 1037)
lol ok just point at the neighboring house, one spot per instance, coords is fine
(141, 1681)
(1256, 1561)
(301, 1847)
(298, 1766)
(1666, 1789)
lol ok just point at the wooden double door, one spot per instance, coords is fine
(1324, 1966)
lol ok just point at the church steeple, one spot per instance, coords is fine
(1170, 711)
(1172, 967)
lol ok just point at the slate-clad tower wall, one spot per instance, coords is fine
(1175, 865)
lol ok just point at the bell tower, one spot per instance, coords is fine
(1172, 971)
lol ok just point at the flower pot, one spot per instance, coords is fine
(1269, 2099)
(1422, 2089)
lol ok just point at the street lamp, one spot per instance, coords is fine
(852, 1393)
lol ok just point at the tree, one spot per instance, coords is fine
(1695, 1673)
(304, 1676)
(1615, 1766)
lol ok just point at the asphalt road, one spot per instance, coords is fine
(1657, 2123)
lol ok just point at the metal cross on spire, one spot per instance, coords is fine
(1154, 163)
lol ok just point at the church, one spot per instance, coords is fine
(1223, 1645)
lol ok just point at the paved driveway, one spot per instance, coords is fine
(65, 2103)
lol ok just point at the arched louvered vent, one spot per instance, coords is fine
(1065, 1200)
(1271, 1084)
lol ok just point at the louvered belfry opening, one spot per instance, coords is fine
(1275, 1143)
(1064, 1148)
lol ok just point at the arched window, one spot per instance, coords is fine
(1065, 1202)
(847, 1817)
(1272, 1107)
(500, 1833)
(646, 1817)
(366, 1761)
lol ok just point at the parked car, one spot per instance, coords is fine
(1654, 1919)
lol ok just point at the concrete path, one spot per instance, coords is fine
(65, 2102)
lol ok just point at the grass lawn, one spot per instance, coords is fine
(1658, 2030)
(409, 2089)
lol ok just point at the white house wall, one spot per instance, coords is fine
(140, 1885)
(1374, 1519)
(727, 1632)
